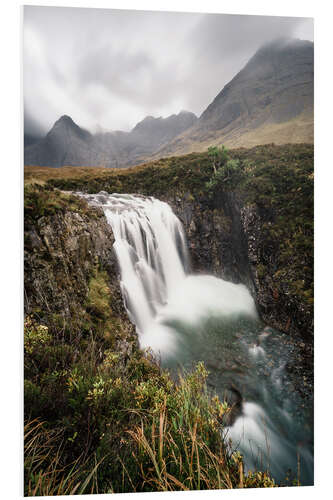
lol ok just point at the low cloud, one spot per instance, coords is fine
(111, 68)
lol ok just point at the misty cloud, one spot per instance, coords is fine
(111, 68)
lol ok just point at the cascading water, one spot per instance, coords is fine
(151, 249)
(186, 318)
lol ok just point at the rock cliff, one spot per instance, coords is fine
(68, 263)
(225, 238)
(256, 229)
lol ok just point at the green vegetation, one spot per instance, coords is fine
(218, 156)
(100, 315)
(41, 200)
(277, 179)
(107, 424)
(99, 419)
(226, 171)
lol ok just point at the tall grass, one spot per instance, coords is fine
(183, 446)
(122, 425)
(45, 471)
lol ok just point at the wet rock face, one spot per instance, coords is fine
(214, 237)
(225, 238)
(60, 257)
(277, 304)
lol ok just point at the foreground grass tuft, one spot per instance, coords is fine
(111, 424)
(45, 471)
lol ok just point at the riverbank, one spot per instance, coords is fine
(82, 358)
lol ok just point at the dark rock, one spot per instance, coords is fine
(61, 255)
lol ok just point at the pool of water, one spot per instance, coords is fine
(272, 425)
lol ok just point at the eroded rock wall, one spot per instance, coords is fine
(225, 237)
(62, 253)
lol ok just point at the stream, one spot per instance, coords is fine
(185, 318)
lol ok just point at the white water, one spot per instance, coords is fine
(185, 318)
(152, 254)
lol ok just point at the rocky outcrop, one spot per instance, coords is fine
(225, 237)
(216, 241)
(62, 253)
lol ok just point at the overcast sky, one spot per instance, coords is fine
(111, 68)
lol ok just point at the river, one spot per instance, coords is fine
(185, 318)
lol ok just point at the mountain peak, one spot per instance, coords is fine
(185, 112)
(269, 100)
(281, 44)
(66, 125)
(67, 121)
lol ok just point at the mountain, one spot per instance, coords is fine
(68, 144)
(145, 139)
(269, 100)
(30, 139)
(65, 144)
(154, 132)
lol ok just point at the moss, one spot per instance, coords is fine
(261, 271)
(43, 200)
(100, 316)
(99, 295)
(109, 406)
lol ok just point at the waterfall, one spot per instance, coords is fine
(155, 278)
(185, 317)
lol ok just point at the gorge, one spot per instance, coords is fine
(185, 318)
(222, 249)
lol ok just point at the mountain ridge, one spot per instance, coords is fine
(269, 100)
(69, 144)
(275, 87)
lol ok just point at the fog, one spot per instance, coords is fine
(110, 68)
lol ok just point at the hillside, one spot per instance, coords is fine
(102, 398)
(269, 100)
(68, 144)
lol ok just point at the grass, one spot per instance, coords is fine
(98, 420)
(41, 200)
(46, 474)
(126, 426)
(40, 175)
(182, 446)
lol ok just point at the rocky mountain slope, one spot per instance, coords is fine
(68, 144)
(269, 100)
